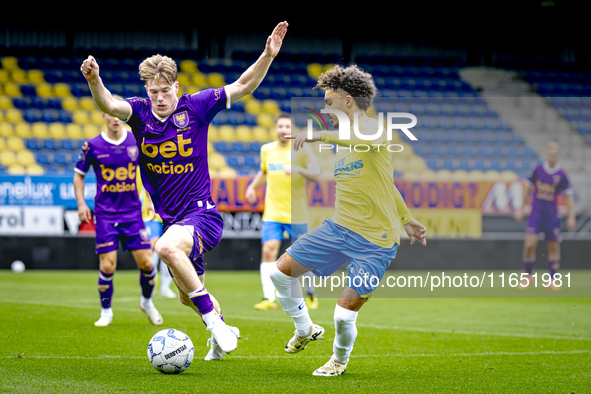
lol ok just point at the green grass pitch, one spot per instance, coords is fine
(48, 343)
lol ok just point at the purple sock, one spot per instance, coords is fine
(221, 317)
(528, 265)
(147, 282)
(553, 267)
(201, 300)
(105, 286)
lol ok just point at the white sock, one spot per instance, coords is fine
(345, 333)
(268, 286)
(106, 312)
(146, 301)
(290, 296)
(211, 318)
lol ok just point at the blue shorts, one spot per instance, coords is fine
(154, 228)
(274, 231)
(327, 247)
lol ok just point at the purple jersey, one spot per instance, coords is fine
(173, 151)
(548, 184)
(115, 164)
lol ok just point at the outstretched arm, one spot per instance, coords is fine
(252, 77)
(102, 97)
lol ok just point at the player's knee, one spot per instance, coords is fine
(166, 249)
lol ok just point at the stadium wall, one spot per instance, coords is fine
(77, 252)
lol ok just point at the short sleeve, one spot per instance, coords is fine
(263, 161)
(84, 159)
(208, 103)
(533, 177)
(564, 186)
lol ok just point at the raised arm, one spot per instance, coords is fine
(252, 77)
(102, 97)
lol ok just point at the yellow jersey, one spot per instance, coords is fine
(286, 200)
(142, 194)
(367, 202)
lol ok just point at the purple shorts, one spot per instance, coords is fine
(206, 227)
(545, 223)
(131, 231)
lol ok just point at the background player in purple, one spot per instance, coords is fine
(172, 137)
(114, 156)
(548, 180)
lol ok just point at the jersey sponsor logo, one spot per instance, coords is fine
(340, 166)
(275, 167)
(168, 149)
(120, 173)
(181, 119)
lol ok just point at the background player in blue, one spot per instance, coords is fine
(547, 181)
(114, 154)
(172, 137)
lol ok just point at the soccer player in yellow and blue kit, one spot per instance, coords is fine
(286, 202)
(369, 213)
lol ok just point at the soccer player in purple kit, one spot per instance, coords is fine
(172, 138)
(547, 180)
(114, 156)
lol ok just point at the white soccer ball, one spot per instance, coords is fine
(17, 266)
(170, 351)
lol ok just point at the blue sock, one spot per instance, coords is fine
(528, 265)
(553, 267)
(147, 282)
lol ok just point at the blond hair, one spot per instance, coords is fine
(157, 67)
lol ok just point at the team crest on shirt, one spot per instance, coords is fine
(181, 119)
(144, 235)
(133, 152)
(556, 179)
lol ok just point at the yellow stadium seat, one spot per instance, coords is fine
(226, 133)
(4, 76)
(35, 76)
(271, 106)
(91, 130)
(13, 115)
(23, 130)
(212, 133)
(314, 70)
(509, 176)
(2, 119)
(96, 117)
(444, 175)
(492, 175)
(12, 89)
(9, 63)
(35, 169)
(87, 102)
(460, 176)
(188, 66)
(260, 134)
(226, 172)
(15, 144)
(74, 131)
(5, 102)
(81, 116)
(19, 76)
(184, 79)
(215, 80)
(16, 169)
(265, 120)
(216, 160)
(40, 130)
(199, 79)
(416, 163)
(428, 175)
(253, 107)
(2, 144)
(7, 158)
(62, 89)
(243, 133)
(25, 158)
(409, 176)
(44, 90)
(476, 176)
(70, 103)
(57, 131)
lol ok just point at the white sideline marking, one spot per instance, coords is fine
(284, 320)
(548, 352)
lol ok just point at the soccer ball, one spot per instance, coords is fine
(17, 266)
(170, 351)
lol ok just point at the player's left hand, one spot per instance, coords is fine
(571, 223)
(416, 231)
(275, 40)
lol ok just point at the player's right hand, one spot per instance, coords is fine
(90, 68)
(519, 215)
(251, 195)
(85, 214)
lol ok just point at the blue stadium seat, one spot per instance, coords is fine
(235, 160)
(51, 144)
(32, 144)
(43, 159)
(222, 147)
(60, 159)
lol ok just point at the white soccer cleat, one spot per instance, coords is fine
(297, 344)
(331, 368)
(224, 337)
(167, 293)
(215, 351)
(152, 313)
(104, 321)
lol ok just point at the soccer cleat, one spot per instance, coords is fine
(224, 336)
(297, 344)
(312, 303)
(521, 286)
(265, 305)
(167, 293)
(331, 368)
(104, 321)
(152, 313)
(215, 351)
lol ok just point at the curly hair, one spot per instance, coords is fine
(156, 67)
(352, 80)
